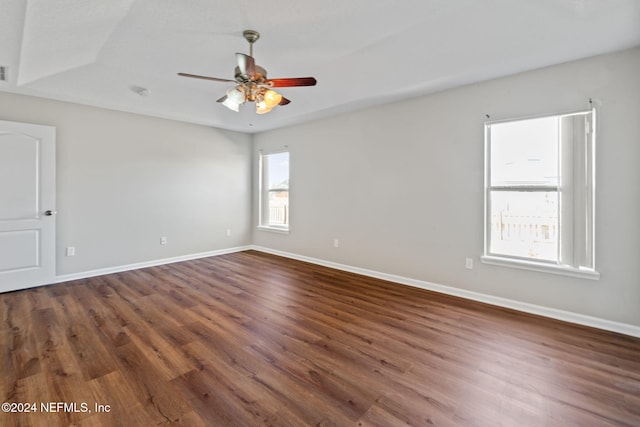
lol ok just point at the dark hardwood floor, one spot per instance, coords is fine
(251, 339)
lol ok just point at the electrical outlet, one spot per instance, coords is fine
(468, 263)
(163, 240)
(336, 243)
(228, 232)
(71, 251)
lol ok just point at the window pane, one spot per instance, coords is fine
(524, 224)
(275, 190)
(278, 208)
(525, 152)
(278, 171)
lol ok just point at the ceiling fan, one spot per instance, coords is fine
(252, 83)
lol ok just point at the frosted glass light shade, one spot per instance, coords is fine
(272, 98)
(236, 94)
(231, 105)
(235, 97)
(261, 108)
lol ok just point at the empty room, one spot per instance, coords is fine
(337, 213)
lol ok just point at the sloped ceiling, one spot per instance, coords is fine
(361, 52)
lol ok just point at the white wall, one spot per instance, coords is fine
(401, 186)
(124, 180)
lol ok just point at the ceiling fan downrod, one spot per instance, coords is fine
(251, 36)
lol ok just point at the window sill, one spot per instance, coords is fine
(564, 270)
(279, 230)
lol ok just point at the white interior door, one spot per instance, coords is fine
(27, 205)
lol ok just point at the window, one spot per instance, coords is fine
(274, 191)
(539, 193)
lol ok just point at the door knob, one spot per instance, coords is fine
(50, 212)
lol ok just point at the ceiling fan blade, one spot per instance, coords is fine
(224, 98)
(292, 81)
(284, 101)
(246, 64)
(215, 79)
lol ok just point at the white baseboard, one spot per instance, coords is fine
(567, 316)
(118, 269)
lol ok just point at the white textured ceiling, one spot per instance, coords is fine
(362, 52)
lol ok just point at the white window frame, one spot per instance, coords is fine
(576, 214)
(263, 199)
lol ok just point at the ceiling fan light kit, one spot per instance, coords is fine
(252, 83)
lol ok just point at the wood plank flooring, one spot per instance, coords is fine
(250, 339)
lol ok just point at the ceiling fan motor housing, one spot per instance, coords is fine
(259, 77)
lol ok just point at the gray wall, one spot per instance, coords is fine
(401, 186)
(124, 180)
